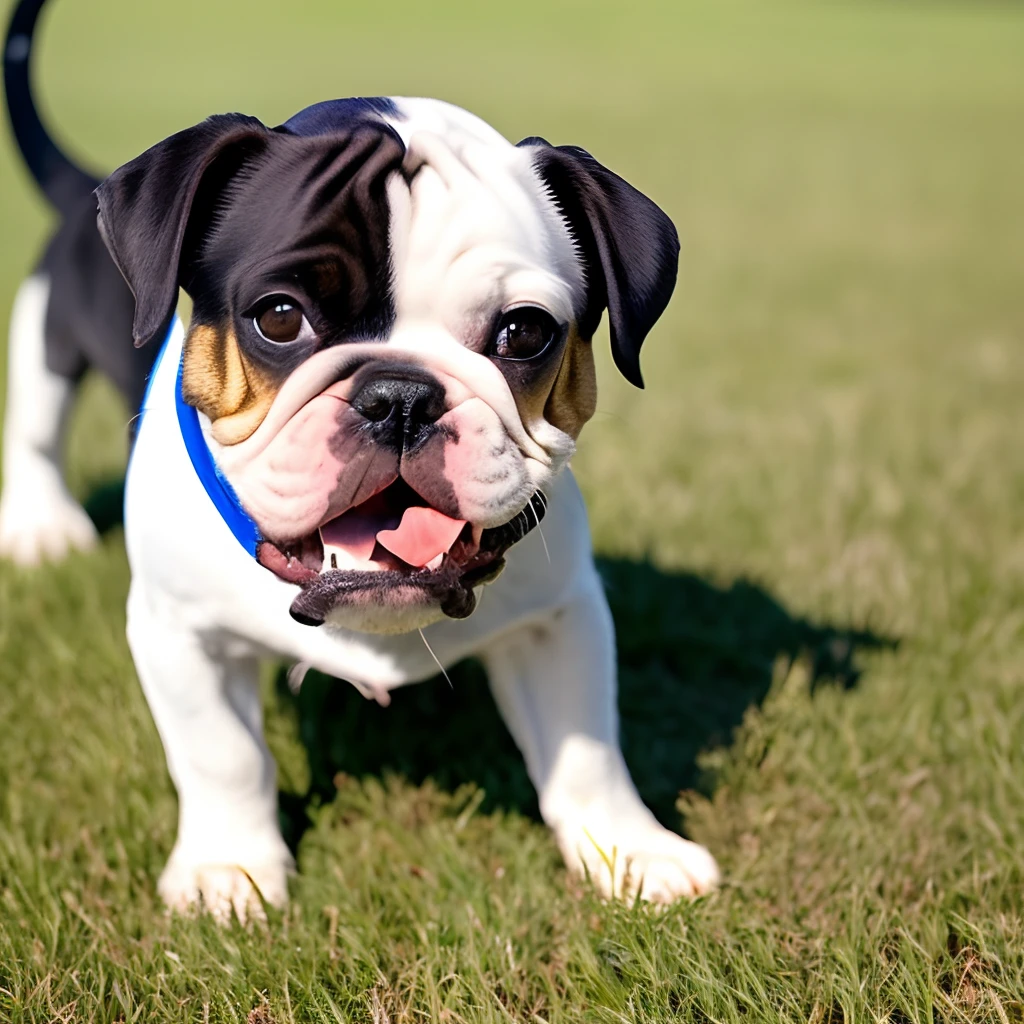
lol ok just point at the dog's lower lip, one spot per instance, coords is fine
(450, 584)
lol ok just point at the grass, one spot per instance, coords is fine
(811, 525)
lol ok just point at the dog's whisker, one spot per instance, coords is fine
(434, 656)
(545, 543)
(536, 523)
(517, 524)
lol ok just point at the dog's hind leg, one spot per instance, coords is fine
(39, 519)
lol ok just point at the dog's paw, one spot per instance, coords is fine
(33, 532)
(643, 858)
(223, 890)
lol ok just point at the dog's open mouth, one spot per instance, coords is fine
(395, 544)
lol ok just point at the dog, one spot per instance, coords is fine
(356, 455)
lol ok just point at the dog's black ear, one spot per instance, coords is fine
(146, 208)
(629, 247)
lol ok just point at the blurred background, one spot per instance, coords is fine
(826, 464)
(846, 179)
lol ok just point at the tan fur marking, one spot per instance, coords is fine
(221, 384)
(573, 396)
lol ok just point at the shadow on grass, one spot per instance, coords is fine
(104, 504)
(692, 658)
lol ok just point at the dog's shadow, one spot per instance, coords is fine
(104, 504)
(692, 658)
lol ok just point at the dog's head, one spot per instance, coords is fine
(391, 332)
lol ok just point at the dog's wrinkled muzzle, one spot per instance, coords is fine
(397, 473)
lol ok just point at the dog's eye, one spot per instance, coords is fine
(523, 333)
(280, 319)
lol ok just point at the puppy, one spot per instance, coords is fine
(355, 457)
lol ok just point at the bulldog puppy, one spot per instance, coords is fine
(355, 457)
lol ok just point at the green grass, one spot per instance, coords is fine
(811, 525)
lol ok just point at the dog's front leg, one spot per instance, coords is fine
(555, 685)
(229, 853)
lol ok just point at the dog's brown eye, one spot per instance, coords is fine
(523, 333)
(281, 319)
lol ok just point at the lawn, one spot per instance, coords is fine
(811, 525)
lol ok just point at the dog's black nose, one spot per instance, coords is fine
(400, 407)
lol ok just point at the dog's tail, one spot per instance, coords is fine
(63, 182)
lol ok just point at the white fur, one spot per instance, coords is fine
(39, 519)
(202, 611)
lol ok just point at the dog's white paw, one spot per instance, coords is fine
(224, 889)
(639, 857)
(44, 530)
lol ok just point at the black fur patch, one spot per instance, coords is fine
(629, 246)
(233, 211)
(332, 116)
(307, 217)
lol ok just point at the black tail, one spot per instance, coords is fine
(63, 182)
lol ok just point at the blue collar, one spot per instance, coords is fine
(220, 492)
(217, 488)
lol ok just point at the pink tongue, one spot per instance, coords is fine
(422, 535)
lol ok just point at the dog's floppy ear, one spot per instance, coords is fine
(145, 208)
(629, 247)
